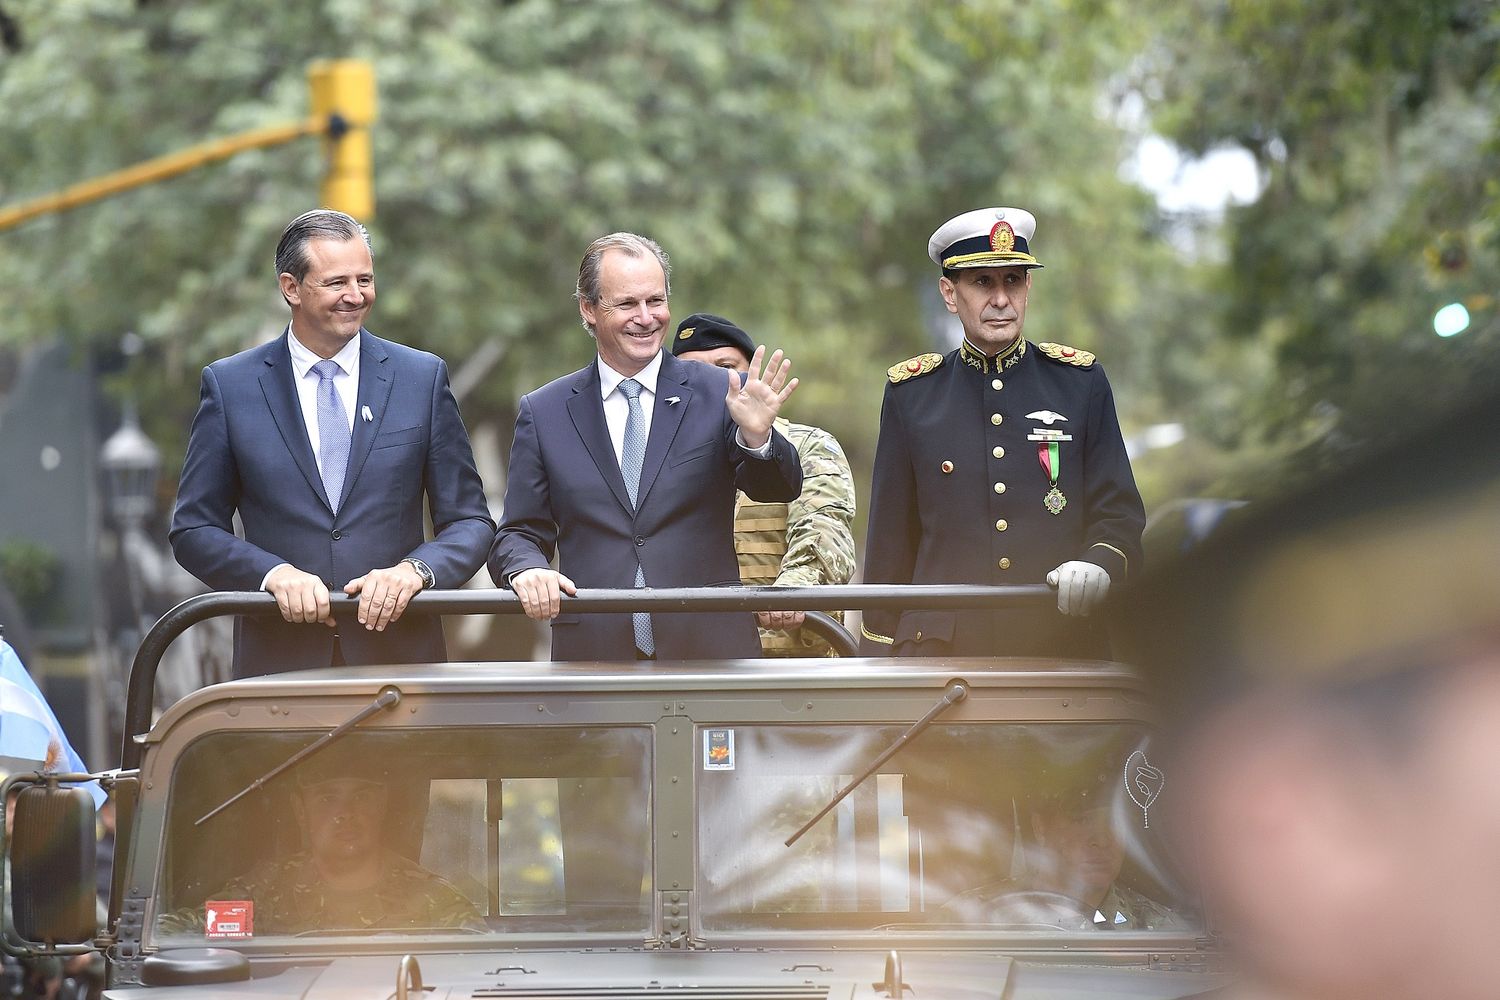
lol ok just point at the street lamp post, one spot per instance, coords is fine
(131, 462)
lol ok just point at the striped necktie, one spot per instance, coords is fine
(333, 433)
(632, 456)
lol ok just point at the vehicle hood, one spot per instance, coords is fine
(750, 974)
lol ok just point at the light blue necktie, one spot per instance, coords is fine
(333, 433)
(632, 456)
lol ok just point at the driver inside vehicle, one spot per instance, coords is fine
(345, 878)
(1067, 874)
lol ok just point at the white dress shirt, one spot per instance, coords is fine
(345, 383)
(617, 407)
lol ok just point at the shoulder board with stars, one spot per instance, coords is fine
(1064, 354)
(913, 367)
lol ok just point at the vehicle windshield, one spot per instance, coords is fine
(443, 831)
(1021, 827)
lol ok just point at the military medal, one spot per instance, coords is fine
(1046, 453)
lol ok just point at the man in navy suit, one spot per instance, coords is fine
(627, 471)
(325, 442)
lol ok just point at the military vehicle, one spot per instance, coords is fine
(734, 830)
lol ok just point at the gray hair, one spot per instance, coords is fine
(627, 243)
(319, 224)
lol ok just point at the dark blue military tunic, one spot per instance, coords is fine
(959, 496)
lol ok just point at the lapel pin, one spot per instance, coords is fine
(673, 400)
(364, 411)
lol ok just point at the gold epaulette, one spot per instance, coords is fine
(913, 367)
(1067, 355)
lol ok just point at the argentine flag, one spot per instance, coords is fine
(30, 737)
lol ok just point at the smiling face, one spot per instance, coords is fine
(630, 319)
(331, 301)
(990, 302)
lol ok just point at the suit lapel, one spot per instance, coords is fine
(281, 398)
(586, 407)
(666, 418)
(375, 381)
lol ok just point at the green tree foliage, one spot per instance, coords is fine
(792, 157)
(1376, 125)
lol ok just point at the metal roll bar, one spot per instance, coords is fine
(257, 604)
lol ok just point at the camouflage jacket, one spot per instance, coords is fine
(803, 543)
(289, 898)
(1012, 900)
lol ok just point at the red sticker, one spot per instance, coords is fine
(229, 918)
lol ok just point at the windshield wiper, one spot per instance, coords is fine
(956, 692)
(390, 697)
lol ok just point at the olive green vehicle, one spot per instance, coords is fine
(735, 830)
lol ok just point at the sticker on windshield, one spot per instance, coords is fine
(1143, 782)
(229, 918)
(718, 749)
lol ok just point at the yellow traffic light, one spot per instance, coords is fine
(343, 95)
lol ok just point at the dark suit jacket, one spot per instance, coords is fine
(565, 494)
(957, 496)
(249, 452)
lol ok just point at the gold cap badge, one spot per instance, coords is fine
(1002, 237)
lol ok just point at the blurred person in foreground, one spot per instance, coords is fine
(325, 443)
(999, 463)
(1330, 672)
(626, 470)
(800, 544)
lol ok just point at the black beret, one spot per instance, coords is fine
(705, 332)
(348, 758)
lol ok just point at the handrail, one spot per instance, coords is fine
(258, 604)
(832, 631)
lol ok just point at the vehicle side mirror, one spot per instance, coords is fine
(52, 860)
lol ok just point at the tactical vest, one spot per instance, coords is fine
(760, 544)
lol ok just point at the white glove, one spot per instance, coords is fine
(1080, 587)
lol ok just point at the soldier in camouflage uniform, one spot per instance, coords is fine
(293, 896)
(345, 880)
(1070, 877)
(800, 544)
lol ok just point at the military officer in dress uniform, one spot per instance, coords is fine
(799, 544)
(998, 463)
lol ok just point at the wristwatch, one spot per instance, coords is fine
(429, 581)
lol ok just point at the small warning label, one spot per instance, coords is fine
(718, 750)
(229, 918)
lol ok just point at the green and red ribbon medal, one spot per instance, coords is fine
(1046, 453)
